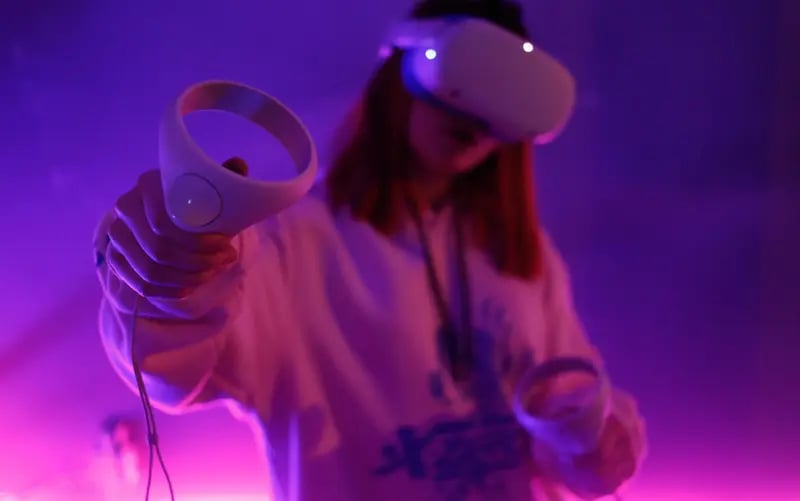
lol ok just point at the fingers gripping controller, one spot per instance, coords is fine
(202, 196)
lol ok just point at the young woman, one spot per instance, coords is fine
(376, 329)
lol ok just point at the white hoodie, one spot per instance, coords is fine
(324, 332)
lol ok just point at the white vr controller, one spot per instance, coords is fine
(570, 423)
(203, 196)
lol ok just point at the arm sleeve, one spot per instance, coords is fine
(221, 342)
(566, 337)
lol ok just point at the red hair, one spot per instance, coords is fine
(371, 171)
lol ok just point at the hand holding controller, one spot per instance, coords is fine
(155, 258)
(202, 196)
(570, 423)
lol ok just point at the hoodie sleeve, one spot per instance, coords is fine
(566, 337)
(221, 342)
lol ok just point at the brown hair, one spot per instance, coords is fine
(370, 171)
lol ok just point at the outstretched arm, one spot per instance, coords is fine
(218, 341)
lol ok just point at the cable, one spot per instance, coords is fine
(150, 419)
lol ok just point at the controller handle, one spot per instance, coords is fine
(570, 423)
(201, 195)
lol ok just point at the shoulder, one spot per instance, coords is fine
(555, 271)
(552, 258)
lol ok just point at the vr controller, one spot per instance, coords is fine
(570, 423)
(468, 65)
(202, 196)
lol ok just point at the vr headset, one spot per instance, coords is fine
(475, 68)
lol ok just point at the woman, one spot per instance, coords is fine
(376, 329)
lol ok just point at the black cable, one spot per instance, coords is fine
(150, 419)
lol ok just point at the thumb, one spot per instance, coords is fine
(236, 165)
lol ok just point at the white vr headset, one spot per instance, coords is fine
(467, 65)
(476, 68)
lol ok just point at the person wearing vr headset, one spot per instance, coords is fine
(378, 329)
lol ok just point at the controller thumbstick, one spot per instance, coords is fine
(193, 201)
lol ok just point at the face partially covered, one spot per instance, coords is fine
(447, 144)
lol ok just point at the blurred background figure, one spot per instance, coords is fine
(121, 459)
(113, 468)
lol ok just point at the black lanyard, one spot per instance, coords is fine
(455, 344)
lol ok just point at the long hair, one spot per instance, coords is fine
(371, 169)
